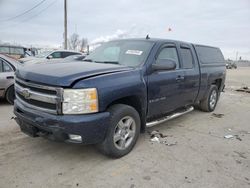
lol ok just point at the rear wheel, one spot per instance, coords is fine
(10, 95)
(123, 131)
(210, 101)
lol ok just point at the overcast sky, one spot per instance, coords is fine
(224, 23)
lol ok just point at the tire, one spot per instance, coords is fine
(10, 94)
(210, 101)
(123, 131)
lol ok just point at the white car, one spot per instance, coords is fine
(48, 55)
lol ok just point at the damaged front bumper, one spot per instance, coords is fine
(86, 129)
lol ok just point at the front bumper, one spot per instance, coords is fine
(91, 127)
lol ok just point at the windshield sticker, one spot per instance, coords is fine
(134, 52)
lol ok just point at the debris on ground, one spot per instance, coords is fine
(155, 139)
(156, 136)
(241, 154)
(244, 132)
(168, 144)
(132, 186)
(217, 115)
(147, 178)
(238, 137)
(228, 136)
(243, 89)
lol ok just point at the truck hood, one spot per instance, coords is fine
(65, 74)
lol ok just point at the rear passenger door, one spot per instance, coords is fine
(190, 67)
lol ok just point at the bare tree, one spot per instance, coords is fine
(83, 44)
(74, 41)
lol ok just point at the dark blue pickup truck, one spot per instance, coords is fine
(117, 91)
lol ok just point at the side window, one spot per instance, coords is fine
(56, 55)
(187, 58)
(169, 53)
(66, 54)
(7, 67)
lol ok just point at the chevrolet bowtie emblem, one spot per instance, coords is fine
(25, 93)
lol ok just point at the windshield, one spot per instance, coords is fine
(123, 52)
(43, 54)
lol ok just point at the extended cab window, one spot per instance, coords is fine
(169, 53)
(187, 58)
(209, 55)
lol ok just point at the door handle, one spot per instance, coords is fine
(10, 77)
(180, 78)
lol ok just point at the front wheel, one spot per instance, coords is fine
(10, 94)
(123, 131)
(210, 101)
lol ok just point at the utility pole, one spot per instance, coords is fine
(65, 25)
(236, 56)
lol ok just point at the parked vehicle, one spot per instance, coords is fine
(8, 66)
(75, 57)
(231, 65)
(14, 51)
(49, 55)
(123, 87)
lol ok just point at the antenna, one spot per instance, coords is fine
(147, 37)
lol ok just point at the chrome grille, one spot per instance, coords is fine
(39, 97)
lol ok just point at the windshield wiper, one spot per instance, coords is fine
(108, 62)
(88, 60)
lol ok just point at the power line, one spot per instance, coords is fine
(25, 12)
(30, 18)
(65, 25)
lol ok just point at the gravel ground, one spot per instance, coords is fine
(199, 157)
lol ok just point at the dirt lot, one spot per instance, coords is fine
(202, 157)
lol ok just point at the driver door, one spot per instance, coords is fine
(164, 86)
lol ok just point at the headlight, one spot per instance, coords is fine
(80, 101)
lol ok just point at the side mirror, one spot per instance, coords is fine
(164, 64)
(50, 57)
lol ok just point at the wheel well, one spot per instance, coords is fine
(6, 90)
(218, 83)
(135, 102)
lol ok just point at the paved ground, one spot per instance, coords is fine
(201, 157)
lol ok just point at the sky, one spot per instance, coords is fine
(224, 23)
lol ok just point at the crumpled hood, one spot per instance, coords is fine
(64, 74)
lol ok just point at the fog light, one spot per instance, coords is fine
(74, 137)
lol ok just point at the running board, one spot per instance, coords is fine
(169, 117)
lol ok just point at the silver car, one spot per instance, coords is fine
(49, 55)
(7, 70)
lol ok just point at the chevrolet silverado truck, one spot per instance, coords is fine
(117, 91)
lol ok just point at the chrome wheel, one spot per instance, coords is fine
(124, 133)
(213, 99)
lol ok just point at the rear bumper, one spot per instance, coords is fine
(92, 127)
